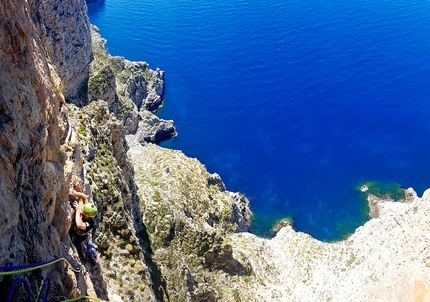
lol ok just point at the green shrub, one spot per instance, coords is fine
(81, 130)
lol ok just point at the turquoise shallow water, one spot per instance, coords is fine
(291, 102)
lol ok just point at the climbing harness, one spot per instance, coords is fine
(42, 294)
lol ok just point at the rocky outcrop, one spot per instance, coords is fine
(152, 129)
(161, 213)
(132, 90)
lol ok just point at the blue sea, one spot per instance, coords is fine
(293, 103)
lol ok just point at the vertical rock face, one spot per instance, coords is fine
(110, 178)
(67, 39)
(33, 121)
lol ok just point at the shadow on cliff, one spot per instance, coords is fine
(220, 257)
(95, 7)
(98, 281)
(158, 283)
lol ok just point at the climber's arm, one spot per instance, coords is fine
(79, 195)
(78, 219)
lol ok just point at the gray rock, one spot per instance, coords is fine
(241, 212)
(215, 179)
(153, 129)
(131, 121)
(67, 40)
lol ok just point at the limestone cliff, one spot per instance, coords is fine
(33, 122)
(67, 41)
(167, 229)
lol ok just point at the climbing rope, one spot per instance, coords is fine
(42, 287)
(46, 283)
(12, 270)
(15, 284)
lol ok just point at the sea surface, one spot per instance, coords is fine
(293, 103)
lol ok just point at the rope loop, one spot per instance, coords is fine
(27, 287)
(43, 292)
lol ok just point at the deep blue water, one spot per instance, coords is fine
(291, 102)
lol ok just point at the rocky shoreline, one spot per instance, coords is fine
(387, 259)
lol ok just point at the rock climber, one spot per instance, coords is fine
(85, 212)
(83, 222)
